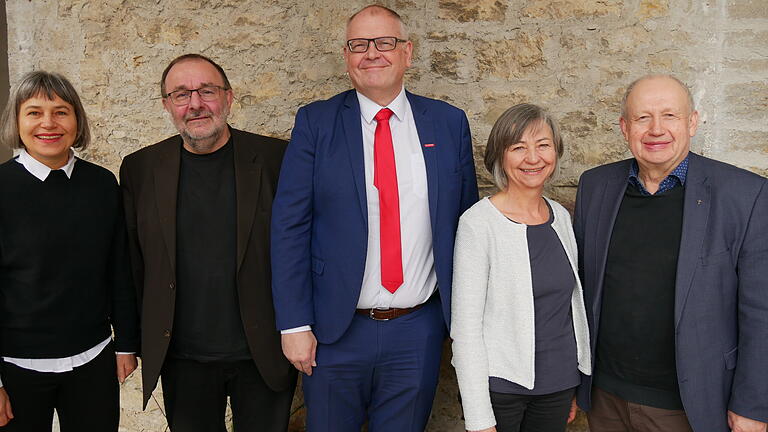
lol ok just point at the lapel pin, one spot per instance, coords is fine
(429, 145)
(699, 202)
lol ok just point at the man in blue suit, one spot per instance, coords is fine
(363, 228)
(674, 261)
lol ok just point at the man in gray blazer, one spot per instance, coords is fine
(674, 262)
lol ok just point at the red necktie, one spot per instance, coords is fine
(385, 180)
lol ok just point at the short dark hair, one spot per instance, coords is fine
(509, 129)
(192, 56)
(49, 84)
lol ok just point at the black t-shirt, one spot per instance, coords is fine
(207, 324)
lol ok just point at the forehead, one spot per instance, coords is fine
(659, 93)
(40, 99)
(372, 24)
(191, 74)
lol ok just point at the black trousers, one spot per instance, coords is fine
(85, 399)
(195, 397)
(538, 413)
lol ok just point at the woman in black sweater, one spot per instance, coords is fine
(65, 283)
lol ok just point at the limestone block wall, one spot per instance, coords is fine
(573, 56)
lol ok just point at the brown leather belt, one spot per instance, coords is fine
(388, 313)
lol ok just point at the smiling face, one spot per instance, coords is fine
(529, 162)
(659, 124)
(202, 124)
(48, 129)
(377, 75)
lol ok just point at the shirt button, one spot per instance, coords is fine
(167, 333)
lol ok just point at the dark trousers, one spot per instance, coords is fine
(610, 413)
(384, 372)
(85, 399)
(532, 413)
(195, 397)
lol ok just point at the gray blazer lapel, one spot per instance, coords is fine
(166, 178)
(695, 217)
(612, 195)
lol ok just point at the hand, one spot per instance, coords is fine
(299, 348)
(490, 429)
(126, 364)
(738, 423)
(5, 408)
(572, 412)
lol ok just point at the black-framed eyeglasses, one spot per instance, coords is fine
(384, 43)
(207, 94)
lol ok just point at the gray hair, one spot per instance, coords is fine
(50, 85)
(509, 129)
(376, 9)
(632, 85)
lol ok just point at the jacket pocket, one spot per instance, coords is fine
(318, 266)
(716, 258)
(731, 357)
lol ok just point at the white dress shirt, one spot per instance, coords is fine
(419, 278)
(66, 364)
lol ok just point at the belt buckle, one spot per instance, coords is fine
(373, 317)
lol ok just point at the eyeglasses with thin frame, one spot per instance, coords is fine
(384, 43)
(206, 93)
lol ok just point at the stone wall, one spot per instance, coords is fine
(574, 56)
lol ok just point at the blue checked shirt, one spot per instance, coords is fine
(674, 179)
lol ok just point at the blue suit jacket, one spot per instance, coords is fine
(721, 288)
(320, 220)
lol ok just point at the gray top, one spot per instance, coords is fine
(556, 365)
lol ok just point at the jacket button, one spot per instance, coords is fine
(167, 333)
(172, 285)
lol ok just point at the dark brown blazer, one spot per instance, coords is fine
(149, 179)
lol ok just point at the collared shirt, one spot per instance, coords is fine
(419, 278)
(674, 179)
(65, 364)
(41, 170)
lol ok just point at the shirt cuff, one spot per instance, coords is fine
(125, 353)
(296, 329)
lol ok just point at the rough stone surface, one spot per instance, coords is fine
(747, 9)
(473, 11)
(572, 56)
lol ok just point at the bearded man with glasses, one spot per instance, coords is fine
(372, 186)
(197, 207)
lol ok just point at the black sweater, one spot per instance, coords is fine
(636, 346)
(64, 271)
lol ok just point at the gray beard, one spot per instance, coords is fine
(202, 144)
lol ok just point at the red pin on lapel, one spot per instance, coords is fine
(429, 145)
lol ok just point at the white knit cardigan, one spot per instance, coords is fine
(492, 314)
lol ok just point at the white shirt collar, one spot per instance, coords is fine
(39, 169)
(369, 108)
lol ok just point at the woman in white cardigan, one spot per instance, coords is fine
(519, 327)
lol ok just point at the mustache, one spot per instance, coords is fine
(199, 113)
